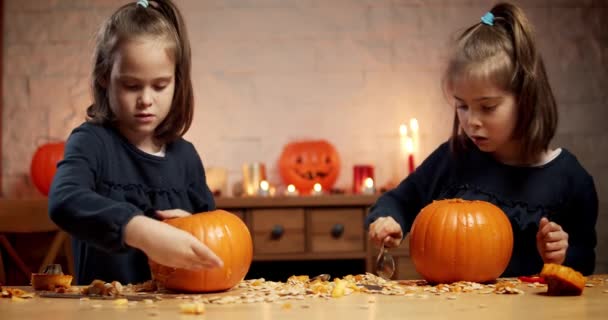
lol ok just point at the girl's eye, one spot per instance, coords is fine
(488, 108)
(461, 107)
(131, 87)
(160, 87)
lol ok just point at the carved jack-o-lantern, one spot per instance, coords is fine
(305, 163)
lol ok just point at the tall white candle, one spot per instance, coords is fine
(411, 164)
(403, 152)
(415, 138)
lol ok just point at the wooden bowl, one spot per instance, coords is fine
(43, 281)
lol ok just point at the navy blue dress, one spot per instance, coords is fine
(561, 190)
(103, 182)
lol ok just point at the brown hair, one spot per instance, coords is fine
(160, 18)
(505, 54)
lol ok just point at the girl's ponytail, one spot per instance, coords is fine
(530, 83)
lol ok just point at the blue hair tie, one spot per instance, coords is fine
(488, 19)
(143, 3)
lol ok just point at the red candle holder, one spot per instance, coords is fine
(360, 173)
(410, 164)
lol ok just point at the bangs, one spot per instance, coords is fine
(483, 54)
(496, 70)
(135, 22)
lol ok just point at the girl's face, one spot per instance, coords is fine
(488, 116)
(141, 86)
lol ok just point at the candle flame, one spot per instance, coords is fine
(409, 145)
(403, 130)
(291, 188)
(317, 187)
(264, 185)
(414, 124)
(369, 183)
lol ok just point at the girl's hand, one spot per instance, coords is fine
(551, 241)
(385, 231)
(168, 245)
(173, 213)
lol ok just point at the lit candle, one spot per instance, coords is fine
(317, 189)
(410, 159)
(291, 190)
(264, 188)
(403, 152)
(415, 137)
(368, 186)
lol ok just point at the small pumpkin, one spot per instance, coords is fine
(563, 280)
(458, 240)
(44, 165)
(226, 235)
(304, 163)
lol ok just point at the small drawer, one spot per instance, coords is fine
(337, 230)
(278, 231)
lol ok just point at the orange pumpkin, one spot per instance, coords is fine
(44, 165)
(458, 240)
(226, 235)
(305, 163)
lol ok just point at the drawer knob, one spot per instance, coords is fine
(337, 230)
(277, 232)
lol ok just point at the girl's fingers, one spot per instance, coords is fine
(556, 246)
(555, 236)
(551, 227)
(391, 242)
(555, 256)
(173, 213)
(385, 231)
(206, 256)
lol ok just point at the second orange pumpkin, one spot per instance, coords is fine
(458, 240)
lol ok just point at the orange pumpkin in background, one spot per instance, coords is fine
(458, 240)
(305, 163)
(44, 165)
(226, 235)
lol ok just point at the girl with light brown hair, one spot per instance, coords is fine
(127, 166)
(505, 116)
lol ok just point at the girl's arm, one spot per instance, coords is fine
(405, 201)
(580, 226)
(73, 203)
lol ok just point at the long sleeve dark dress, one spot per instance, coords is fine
(561, 190)
(103, 182)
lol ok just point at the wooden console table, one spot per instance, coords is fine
(321, 228)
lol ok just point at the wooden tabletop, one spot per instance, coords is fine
(532, 304)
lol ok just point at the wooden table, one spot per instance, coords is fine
(593, 304)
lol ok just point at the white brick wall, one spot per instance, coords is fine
(270, 71)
